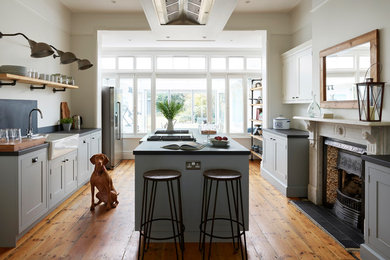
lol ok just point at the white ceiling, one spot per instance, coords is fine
(146, 39)
(116, 6)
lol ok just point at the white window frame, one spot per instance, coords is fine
(208, 74)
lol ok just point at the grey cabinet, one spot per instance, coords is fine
(286, 161)
(88, 145)
(377, 209)
(62, 177)
(23, 192)
(33, 187)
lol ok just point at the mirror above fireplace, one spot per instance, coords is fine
(344, 65)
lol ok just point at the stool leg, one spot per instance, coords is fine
(178, 221)
(235, 201)
(208, 197)
(181, 215)
(230, 214)
(172, 218)
(143, 220)
(243, 220)
(201, 214)
(212, 222)
(151, 212)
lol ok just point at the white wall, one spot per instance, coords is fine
(43, 21)
(337, 21)
(86, 101)
(278, 41)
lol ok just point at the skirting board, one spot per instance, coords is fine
(294, 191)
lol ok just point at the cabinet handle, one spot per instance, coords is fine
(84, 142)
(65, 160)
(93, 137)
(34, 160)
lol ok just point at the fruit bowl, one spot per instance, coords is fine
(219, 142)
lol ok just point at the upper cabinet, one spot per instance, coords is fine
(297, 74)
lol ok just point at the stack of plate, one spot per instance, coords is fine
(13, 69)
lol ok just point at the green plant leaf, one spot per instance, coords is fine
(169, 109)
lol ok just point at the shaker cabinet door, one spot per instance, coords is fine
(83, 160)
(33, 188)
(70, 172)
(56, 181)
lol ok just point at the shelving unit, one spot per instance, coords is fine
(256, 88)
(33, 82)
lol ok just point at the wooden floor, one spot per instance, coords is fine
(277, 229)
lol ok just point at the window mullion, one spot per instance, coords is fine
(135, 105)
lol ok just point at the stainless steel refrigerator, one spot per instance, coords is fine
(112, 125)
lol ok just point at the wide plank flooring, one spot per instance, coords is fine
(72, 231)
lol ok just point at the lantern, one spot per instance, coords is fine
(370, 100)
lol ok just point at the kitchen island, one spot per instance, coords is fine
(149, 155)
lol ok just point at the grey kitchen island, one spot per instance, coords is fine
(149, 155)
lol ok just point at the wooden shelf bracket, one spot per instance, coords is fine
(32, 87)
(59, 90)
(13, 83)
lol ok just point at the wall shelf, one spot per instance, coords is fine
(257, 105)
(32, 81)
(254, 89)
(260, 156)
(258, 137)
(257, 121)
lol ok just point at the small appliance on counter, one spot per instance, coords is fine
(281, 123)
(77, 122)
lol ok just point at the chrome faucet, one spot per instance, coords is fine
(30, 128)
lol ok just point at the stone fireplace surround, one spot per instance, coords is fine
(374, 135)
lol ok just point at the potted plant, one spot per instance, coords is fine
(66, 123)
(169, 109)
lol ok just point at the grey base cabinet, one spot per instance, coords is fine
(377, 209)
(62, 177)
(88, 145)
(23, 193)
(286, 161)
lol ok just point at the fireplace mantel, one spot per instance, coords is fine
(374, 135)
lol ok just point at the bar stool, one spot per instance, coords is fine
(148, 202)
(234, 179)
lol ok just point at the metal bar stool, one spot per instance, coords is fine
(230, 178)
(148, 202)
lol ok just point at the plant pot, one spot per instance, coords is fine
(66, 127)
(170, 125)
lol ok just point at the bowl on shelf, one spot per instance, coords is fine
(219, 143)
(14, 69)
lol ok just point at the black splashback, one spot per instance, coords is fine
(14, 114)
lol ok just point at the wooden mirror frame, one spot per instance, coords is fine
(371, 37)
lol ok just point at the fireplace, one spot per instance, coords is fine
(343, 181)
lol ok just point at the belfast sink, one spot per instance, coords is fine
(61, 143)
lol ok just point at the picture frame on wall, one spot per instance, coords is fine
(257, 83)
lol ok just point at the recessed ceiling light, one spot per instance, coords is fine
(167, 37)
(204, 37)
(247, 2)
(113, 1)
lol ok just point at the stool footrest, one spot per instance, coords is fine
(161, 238)
(222, 237)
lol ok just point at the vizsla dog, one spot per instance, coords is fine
(103, 182)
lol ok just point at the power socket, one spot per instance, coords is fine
(193, 165)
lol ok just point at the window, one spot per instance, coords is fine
(236, 63)
(190, 91)
(144, 111)
(339, 63)
(218, 108)
(218, 63)
(126, 87)
(236, 111)
(143, 63)
(125, 63)
(199, 81)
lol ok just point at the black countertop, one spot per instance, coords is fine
(154, 148)
(288, 132)
(81, 132)
(383, 160)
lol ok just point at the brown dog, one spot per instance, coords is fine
(103, 182)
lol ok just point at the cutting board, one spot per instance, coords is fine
(26, 143)
(65, 113)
